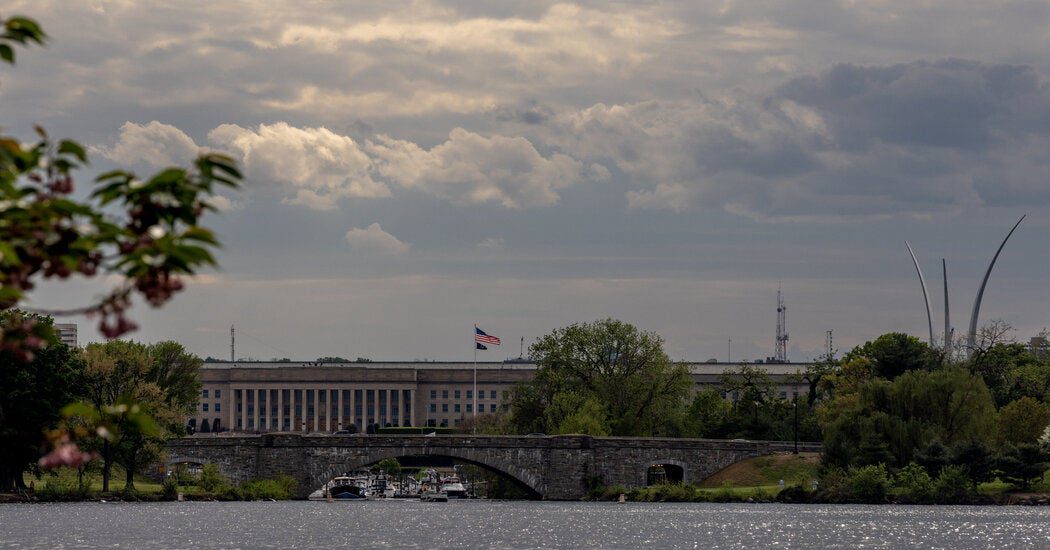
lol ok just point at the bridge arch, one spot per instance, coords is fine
(677, 471)
(531, 482)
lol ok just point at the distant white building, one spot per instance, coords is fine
(67, 333)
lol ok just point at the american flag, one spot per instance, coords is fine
(481, 338)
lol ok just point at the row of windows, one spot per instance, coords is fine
(204, 406)
(470, 394)
(456, 407)
(204, 394)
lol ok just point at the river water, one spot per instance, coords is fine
(517, 524)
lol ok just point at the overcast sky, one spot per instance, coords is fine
(415, 167)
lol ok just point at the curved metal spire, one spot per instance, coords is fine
(925, 296)
(947, 319)
(971, 340)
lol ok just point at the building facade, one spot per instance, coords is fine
(67, 333)
(314, 397)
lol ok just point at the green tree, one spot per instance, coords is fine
(623, 369)
(976, 458)
(177, 373)
(1022, 421)
(588, 418)
(390, 465)
(1022, 464)
(709, 415)
(948, 405)
(895, 353)
(32, 394)
(115, 372)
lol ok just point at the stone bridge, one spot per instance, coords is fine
(549, 467)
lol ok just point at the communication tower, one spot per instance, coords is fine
(782, 336)
(231, 344)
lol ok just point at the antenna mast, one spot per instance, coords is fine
(829, 343)
(232, 359)
(782, 336)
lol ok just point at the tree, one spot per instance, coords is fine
(115, 372)
(390, 465)
(1022, 421)
(46, 233)
(976, 458)
(948, 405)
(32, 394)
(895, 353)
(177, 373)
(623, 369)
(1022, 464)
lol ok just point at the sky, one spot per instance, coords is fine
(414, 168)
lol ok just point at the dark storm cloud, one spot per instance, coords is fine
(953, 103)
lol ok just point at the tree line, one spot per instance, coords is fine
(116, 402)
(894, 402)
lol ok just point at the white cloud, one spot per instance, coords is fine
(665, 196)
(471, 168)
(374, 239)
(155, 144)
(318, 165)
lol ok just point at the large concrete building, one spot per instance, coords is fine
(67, 333)
(328, 397)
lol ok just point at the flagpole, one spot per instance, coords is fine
(475, 406)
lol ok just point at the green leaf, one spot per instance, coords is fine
(70, 147)
(7, 53)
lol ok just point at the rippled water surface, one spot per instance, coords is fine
(491, 524)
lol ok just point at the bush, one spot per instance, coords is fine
(953, 486)
(793, 494)
(170, 488)
(868, 484)
(280, 488)
(211, 480)
(1023, 464)
(915, 484)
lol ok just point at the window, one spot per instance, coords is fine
(444, 407)
(783, 395)
(433, 394)
(457, 408)
(492, 407)
(444, 394)
(218, 394)
(481, 394)
(457, 394)
(470, 407)
(205, 405)
(433, 407)
(506, 394)
(205, 394)
(217, 409)
(493, 394)
(470, 394)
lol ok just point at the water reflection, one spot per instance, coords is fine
(493, 524)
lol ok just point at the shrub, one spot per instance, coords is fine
(170, 488)
(952, 485)
(915, 483)
(1022, 464)
(868, 484)
(281, 487)
(211, 480)
(793, 493)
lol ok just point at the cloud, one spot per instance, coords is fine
(492, 243)
(853, 141)
(318, 165)
(154, 144)
(471, 168)
(374, 240)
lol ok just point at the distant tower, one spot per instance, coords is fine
(782, 336)
(829, 343)
(231, 344)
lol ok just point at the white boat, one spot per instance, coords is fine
(453, 487)
(430, 488)
(343, 487)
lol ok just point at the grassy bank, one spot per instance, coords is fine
(64, 484)
(759, 480)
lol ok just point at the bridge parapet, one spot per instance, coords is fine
(552, 467)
